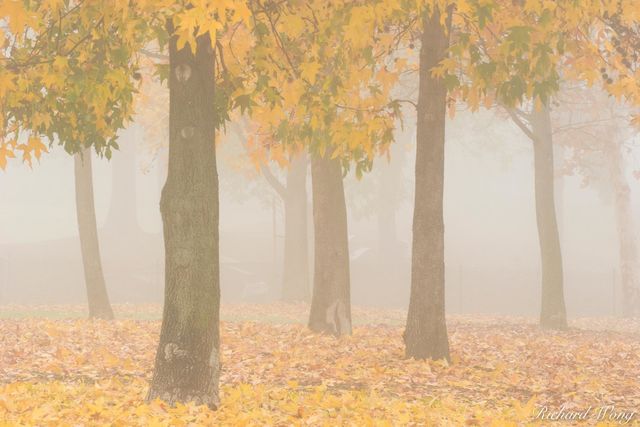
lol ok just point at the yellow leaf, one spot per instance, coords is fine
(36, 145)
(60, 63)
(294, 25)
(310, 71)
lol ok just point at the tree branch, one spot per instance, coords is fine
(273, 181)
(572, 126)
(518, 121)
(266, 172)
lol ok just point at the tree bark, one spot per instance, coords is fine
(123, 215)
(99, 306)
(295, 285)
(628, 252)
(331, 300)
(425, 335)
(187, 365)
(553, 312)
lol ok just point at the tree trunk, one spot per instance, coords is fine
(123, 215)
(425, 335)
(187, 366)
(331, 301)
(553, 313)
(295, 286)
(628, 253)
(99, 306)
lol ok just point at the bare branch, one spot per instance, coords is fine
(273, 181)
(266, 172)
(518, 121)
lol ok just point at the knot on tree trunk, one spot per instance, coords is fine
(187, 132)
(183, 73)
(172, 351)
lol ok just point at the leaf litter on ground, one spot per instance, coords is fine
(76, 371)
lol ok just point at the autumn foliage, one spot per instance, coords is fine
(324, 78)
(276, 372)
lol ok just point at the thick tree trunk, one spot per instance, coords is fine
(553, 313)
(425, 335)
(331, 301)
(97, 296)
(123, 216)
(187, 366)
(295, 285)
(628, 252)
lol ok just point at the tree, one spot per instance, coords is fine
(188, 362)
(99, 306)
(71, 77)
(625, 226)
(61, 80)
(425, 335)
(583, 57)
(594, 129)
(88, 88)
(513, 53)
(330, 98)
(378, 262)
(293, 193)
(501, 51)
(618, 43)
(381, 193)
(553, 313)
(295, 281)
(331, 302)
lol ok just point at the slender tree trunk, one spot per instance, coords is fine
(295, 286)
(97, 296)
(331, 301)
(425, 335)
(628, 252)
(187, 366)
(123, 216)
(553, 312)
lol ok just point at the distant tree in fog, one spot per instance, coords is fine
(335, 106)
(97, 296)
(292, 191)
(536, 124)
(74, 97)
(382, 193)
(595, 131)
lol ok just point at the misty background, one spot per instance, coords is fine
(491, 242)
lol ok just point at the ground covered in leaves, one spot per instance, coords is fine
(58, 369)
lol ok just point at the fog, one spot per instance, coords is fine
(491, 241)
